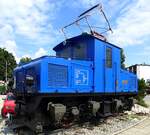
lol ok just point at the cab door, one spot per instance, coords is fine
(109, 71)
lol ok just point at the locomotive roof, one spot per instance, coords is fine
(84, 35)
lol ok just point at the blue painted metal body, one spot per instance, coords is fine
(88, 75)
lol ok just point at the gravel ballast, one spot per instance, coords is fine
(108, 127)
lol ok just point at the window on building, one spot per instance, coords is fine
(108, 57)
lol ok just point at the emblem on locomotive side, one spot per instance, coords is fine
(81, 77)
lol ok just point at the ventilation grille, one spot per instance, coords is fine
(57, 76)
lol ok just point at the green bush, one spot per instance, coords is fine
(141, 93)
(2, 89)
(141, 102)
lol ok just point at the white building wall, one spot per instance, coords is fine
(143, 72)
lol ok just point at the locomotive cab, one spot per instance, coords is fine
(75, 48)
(108, 77)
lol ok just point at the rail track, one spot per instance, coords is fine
(89, 126)
(121, 121)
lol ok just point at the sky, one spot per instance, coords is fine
(31, 28)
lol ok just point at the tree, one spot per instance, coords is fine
(141, 92)
(2, 89)
(141, 88)
(24, 60)
(122, 59)
(6, 60)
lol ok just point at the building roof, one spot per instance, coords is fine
(139, 65)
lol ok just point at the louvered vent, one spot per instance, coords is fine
(57, 75)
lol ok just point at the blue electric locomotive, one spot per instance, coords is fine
(85, 64)
(83, 81)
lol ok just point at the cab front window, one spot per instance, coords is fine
(79, 51)
(74, 51)
(64, 53)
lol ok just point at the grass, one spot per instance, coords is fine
(133, 116)
(141, 102)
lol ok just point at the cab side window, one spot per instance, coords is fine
(79, 51)
(109, 57)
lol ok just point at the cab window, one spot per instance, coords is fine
(79, 51)
(75, 51)
(64, 53)
(109, 57)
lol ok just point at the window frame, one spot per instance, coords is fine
(109, 57)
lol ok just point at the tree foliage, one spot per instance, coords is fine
(122, 59)
(6, 59)
(141, 92)
(24, 60)
(141, 88)
(2, 89)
